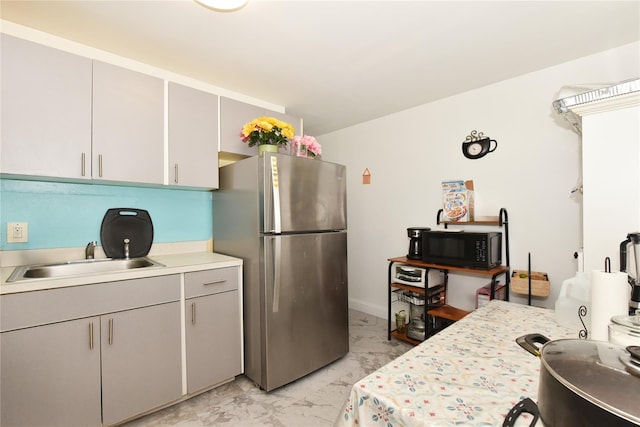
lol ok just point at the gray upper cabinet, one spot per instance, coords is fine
(193, 137)
(128, 125)
(66, 118)
(46, 111)
(233, 116)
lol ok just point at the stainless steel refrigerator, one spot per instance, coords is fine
(285, 217)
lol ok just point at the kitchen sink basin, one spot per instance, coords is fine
(78, 267)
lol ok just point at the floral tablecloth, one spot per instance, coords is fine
(470, 374)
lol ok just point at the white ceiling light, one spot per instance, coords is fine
(223, 5)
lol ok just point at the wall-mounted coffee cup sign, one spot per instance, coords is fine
(477, 145)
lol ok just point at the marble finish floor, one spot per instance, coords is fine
(314, 400)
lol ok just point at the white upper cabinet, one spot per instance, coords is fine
(128, 125)
(193, 137)
(46, 111)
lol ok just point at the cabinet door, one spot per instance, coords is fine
(296, 122)
(214, 339)
(141, 361)
(51, 375)
(609, 143)
(128, 125)
(233, 116)
(193, 137)
(46, 111)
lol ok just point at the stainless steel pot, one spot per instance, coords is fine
(583, 383)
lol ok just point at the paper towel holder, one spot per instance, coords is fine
(582, 313)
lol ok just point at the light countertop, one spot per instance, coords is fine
(173, 264)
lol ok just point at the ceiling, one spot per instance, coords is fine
(339, 63)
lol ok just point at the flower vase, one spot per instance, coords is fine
(301, 151)
(268, 148)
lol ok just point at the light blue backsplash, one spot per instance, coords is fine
(62, 215)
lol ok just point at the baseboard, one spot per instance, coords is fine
(374, 310)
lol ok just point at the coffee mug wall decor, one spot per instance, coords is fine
(476, 145)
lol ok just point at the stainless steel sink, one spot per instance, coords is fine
(78, 267)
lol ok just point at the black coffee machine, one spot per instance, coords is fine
(633, 239)
(415, 242)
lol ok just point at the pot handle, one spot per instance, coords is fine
(529, 342)
(526, 405)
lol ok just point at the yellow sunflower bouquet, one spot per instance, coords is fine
(267, 131)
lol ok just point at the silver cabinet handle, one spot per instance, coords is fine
(175, 178)
(90, 335)
(100, 165)
(110, 331)
(193, 313)
(82, 164)
(215, 282)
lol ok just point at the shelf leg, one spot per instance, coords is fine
(389, 304)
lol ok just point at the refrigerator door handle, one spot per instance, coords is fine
(276, 195)
(277, 261)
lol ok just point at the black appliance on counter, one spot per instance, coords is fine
(463, 249)
(415, 242)
(626, 266)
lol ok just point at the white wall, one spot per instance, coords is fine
(531, 174)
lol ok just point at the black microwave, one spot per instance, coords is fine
(462, 249)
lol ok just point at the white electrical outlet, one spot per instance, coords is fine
(17, 232)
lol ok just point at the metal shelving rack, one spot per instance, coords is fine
(442, 310)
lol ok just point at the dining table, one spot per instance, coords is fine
(469, 374)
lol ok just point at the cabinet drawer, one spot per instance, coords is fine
(28, 309)
(199, 283)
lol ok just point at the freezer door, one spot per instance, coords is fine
(305, 324)
(308, 195)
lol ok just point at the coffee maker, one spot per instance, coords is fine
(633, 239)
(415, 242)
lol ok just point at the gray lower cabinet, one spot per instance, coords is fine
(213, 328)
(51, 375)
(104, 353)
(141, 361)
(90, 355)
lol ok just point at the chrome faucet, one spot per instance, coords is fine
(126, 248)
(89, 251)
